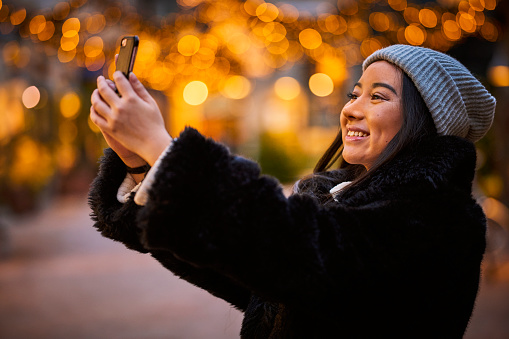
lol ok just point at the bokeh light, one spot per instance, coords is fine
(310, 38)
(222, 51)
(188, 45)
(31, 97)
(321, 84)
(236, 87)
(195, 93)
(499, 76)
(71, 27)
(70, 105)
(37, 24)
(18, 16)
(287, 88)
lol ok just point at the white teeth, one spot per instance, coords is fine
(356, 134)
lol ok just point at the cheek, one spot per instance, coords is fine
(388, 128)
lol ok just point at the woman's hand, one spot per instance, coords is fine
(132, 123)
(129, 158)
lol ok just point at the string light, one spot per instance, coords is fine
(224, 46)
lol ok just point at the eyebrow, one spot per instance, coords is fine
(379, 84)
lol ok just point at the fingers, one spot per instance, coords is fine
(111, 84)
(99, 105)
(124, 87)
(139, 88)
(106, 92)
(97, 119)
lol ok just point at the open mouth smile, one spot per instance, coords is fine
(356, 133)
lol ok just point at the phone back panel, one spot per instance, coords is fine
(126, 55)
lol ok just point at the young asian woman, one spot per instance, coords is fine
(389, 244)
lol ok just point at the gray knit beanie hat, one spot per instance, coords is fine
(458, 102)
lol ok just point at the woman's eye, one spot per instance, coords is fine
(351, 96)
(376, 97)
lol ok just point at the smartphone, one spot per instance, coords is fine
(127, 54)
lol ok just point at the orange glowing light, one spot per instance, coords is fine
(415, 35)
(467, 22)
(368, 46)
(47, 32)
(188, 45)
(321, 84)
(95, 23)
(411, 15)
(61, 11)
(499, 76)
(267, 12)
(489, 31)
(95, 63)
(310, 38)
(70, 105)
(238, 43)
(379, 21)
(250, 6)
(69, 43)
(336, 24)
(288, 13)
(490, 4)
(398, 5)
(358, 29)
(287, 88)
(11, 51)
(37, 24)
(348, 7)
(195, 93)
(204, 58)
(78, 3)
(274, 31)
(236, 87)
(71, 27)
(278, 48)
(18, 17)
(451, 30)
(477, 5)
(31, 97)
(93, 47)
(428, 18)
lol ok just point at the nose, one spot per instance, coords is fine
(353, 110)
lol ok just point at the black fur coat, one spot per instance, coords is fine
(397, 257)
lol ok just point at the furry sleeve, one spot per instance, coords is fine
(117, 221)
(214, 210)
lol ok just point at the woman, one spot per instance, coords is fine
(389, 245)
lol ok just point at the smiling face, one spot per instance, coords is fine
(374, 114)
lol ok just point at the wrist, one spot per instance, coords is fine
(157, 147)
(133, 161)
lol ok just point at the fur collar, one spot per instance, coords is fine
(441, 162)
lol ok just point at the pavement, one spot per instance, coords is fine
(62, 279)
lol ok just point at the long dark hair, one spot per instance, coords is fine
(417, 125)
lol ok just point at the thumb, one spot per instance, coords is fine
(139, 88)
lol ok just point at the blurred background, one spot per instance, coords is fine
(267, 78)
